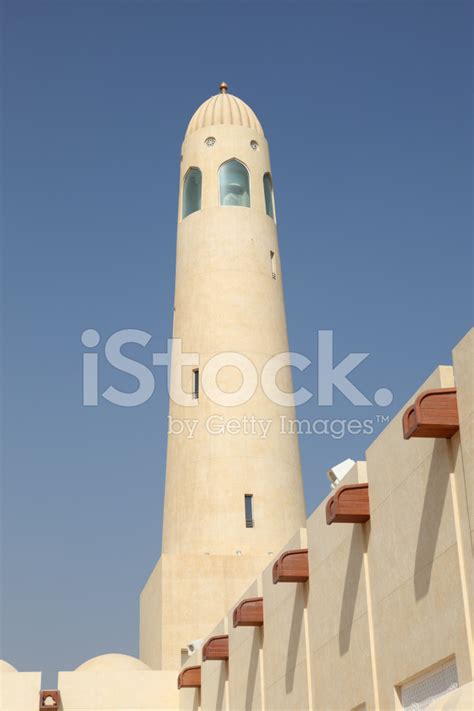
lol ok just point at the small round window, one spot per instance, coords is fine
(210, 140)
(254, 145)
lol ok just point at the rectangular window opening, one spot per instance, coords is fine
(196, 383)
(273, 263)
(249, 522)
(419, 693)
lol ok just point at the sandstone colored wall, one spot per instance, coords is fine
(214, 677)
(118, 690)
(168, 620)
(246, 680)
(285, 648)
(386, 601)
(19, 691)
(338, 610)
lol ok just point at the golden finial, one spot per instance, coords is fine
(223, 88)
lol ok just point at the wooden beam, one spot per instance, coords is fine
(349, 504)
(216, 648)
(249, 613)
(291, 567)
(433, 414)
(190, 678)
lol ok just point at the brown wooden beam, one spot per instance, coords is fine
(291, 567)
(216, 648)
(433, 414)
(190, 678)
(249, 613)
(350, 504)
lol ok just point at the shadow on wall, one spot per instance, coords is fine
(220, 703)
(297, 621)
(257, 644)
(433, 505)
(351, 586)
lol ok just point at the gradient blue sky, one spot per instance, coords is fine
(367, 107)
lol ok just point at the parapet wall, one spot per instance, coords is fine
(386, 602)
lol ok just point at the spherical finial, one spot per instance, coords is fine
(223, 88)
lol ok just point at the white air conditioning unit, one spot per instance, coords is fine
(337, 473)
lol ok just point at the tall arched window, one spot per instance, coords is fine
(234, 184)
(192, 191)
(268, 190)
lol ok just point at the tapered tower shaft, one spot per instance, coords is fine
(237, 468)
(234, 493)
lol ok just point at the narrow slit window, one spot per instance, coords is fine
(196, 383)
(192, 189)
(268, 191)
(249, 522)
(273, 263)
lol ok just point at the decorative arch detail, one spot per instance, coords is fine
(192, 191)
(234, 184)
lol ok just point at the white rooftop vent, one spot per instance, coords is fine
(193, 646)
(339, 471)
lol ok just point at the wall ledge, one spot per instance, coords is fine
(249, 613)
(291, 567)
(350, 504)
(433, 414)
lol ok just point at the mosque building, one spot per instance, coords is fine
(365, 605)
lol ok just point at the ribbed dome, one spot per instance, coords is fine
(224, 110)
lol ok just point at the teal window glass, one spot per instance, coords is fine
(234, 184)
(268, 190)
(248, 500)
(192, 191)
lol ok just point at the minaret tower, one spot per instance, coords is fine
(234, 491)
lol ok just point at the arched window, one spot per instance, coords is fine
(234, 184)
(268, 190)
(192, 191)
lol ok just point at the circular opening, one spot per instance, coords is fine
(209, 141)
(254, 145)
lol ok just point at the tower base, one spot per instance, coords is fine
(185, 597)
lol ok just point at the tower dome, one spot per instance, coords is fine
(224, 109)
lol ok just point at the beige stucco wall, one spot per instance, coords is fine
(413, 559)
(19, 691)
(214, 678)
(190, 699)
(338, 610)
(118, 690)
(463, 456)
(387, 601)
(246, 679)
(185, 597)
(286, 644)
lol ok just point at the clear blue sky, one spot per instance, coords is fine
(367, 107)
